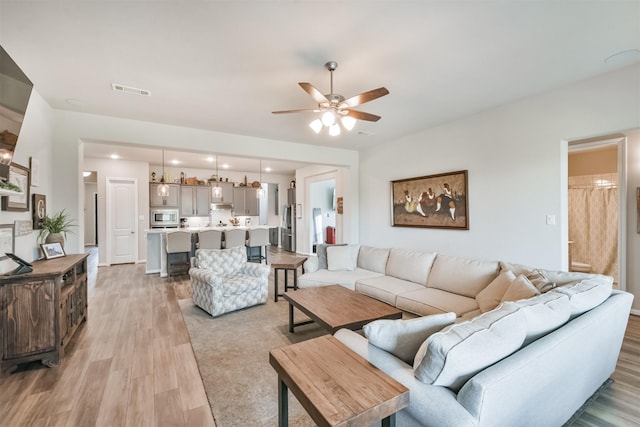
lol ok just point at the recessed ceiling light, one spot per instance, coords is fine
(225, 166)
(175, 162)
(115, 156)
(210, 159)
(129, 89)
(267, 169)
(623, 57)
(86, 173)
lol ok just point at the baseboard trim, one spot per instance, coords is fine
(635, 312)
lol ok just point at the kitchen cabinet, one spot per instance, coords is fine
(245, 202)
(155, 201)
(227, 192)
(195, 200)
(40, 311)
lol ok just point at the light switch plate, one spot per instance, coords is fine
(551, 220)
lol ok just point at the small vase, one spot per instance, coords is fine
(55, 238)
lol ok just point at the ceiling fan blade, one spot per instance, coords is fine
(296, 111)
(364, 97)
(315, 93)
(361, 115)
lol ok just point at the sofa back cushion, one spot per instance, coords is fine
(462, 276)
(403, 337)
(342, 258)
(544, 313)
(587, 294)
(491, 296)
(520, 288)
(450, 357)
(221, 261)
(410, 265)
(373, 259)
(321, 252)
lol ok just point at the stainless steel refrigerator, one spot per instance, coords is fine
(288, 231)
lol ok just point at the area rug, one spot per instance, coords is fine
(232, 352)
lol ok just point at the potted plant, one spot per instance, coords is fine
(55, 228)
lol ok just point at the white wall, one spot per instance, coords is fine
(35, 140)
(516, 156)
(633, 237)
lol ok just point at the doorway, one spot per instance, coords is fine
(122, 227)
(90, 179)
(596, 201)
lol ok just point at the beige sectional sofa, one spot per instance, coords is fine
(525, 346)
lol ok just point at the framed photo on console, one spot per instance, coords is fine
(52, 250)
(432, 201)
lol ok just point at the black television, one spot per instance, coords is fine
(15, 91)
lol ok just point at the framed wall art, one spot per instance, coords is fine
(7, 242)
(432, 201)
(18, 175)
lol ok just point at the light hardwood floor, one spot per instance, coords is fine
(131, 364)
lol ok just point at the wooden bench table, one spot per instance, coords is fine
(335, 386)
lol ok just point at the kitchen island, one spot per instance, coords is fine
(157, 243)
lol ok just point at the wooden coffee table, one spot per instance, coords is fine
(335, 386)
(334, 307)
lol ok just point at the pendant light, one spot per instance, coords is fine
(163, 188)
(260, 192)
(216, 191)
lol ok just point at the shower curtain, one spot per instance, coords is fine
(593, 228)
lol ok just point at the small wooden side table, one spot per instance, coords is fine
(335, 385)
(286, 266)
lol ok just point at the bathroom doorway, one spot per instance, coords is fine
(595, 206)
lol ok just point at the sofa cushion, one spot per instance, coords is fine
(587, 294)
(385, 288)
(325, 277)
(462, 276)
(426, 301)
(540, 281)
(544, 313)
(516, 269)
(450, 357)
(410, 265)
(373, 259)
(562, 278)
(402, 338)
(491, 296)
(321, 252)
(520, 288)
(341, 258)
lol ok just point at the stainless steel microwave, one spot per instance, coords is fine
(159, 218)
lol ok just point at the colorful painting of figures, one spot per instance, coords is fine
(435, 201)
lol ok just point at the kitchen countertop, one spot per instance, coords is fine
(215, 227)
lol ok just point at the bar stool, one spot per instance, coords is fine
(178, 247)
(210, 239)
(258, 238)
(233, 238)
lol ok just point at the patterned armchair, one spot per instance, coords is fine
(222, 280)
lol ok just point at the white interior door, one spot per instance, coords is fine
(122, 225)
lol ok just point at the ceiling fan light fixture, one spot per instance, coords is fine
(328, 118)
(316, 125)
(348, 122)
(334, 129)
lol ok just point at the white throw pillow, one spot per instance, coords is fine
(587, 294)
(342, 258)
(450, 357)
(491, 296)
(402, 338)
(520, 288)
(544, 313)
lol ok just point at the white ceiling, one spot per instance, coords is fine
(225, 65)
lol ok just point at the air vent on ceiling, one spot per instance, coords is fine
(129, 89)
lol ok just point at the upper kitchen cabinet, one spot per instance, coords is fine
(195, 200)
(173, 200)
(245, 202)
(227, 192)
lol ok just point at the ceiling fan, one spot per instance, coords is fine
(335, 108)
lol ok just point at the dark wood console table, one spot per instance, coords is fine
(40, 311)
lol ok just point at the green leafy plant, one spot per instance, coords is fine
(58, 223)
(10, 186)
